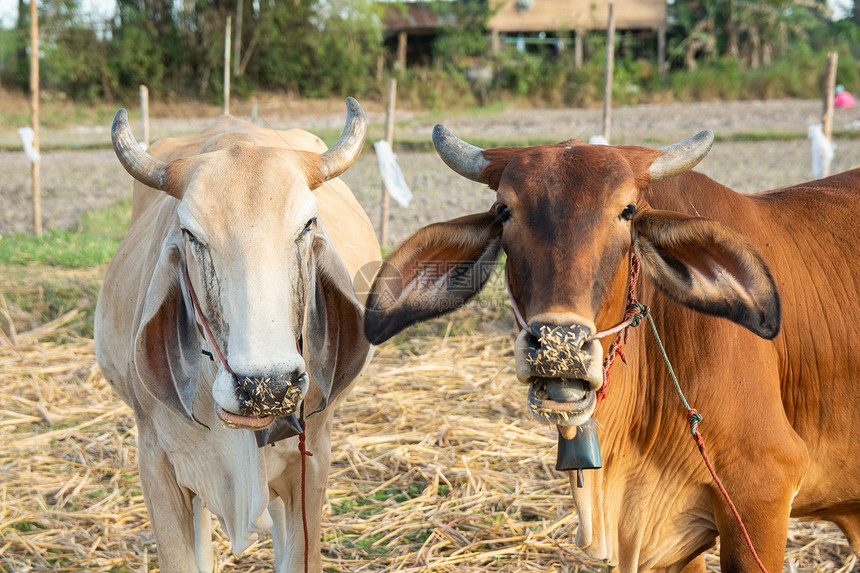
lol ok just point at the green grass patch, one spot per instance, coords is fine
(47, 277)
(92, 242)
(445, 115)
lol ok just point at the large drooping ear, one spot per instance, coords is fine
(335, 346)
(706, 266)
(436, 270)
(166, 348)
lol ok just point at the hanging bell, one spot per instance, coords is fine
(283, 427)
(582, 452)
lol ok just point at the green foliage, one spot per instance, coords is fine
(73, 64)
(434, 88)
(753, 31)
(134, 59)
(331, 48)
(556, 80)
(798, 75)
(462, 34)
(317, 49)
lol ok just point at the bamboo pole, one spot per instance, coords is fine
(610, 67)
(237, 39)
(227, 64)
(144, 114)
(829, 89)
(401, 51)
(662, 67)
(34, 114)
(389, 137)
(827, 113)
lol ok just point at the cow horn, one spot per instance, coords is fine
(683, 156)
(139, 164)
(344, 153)
(464, 158)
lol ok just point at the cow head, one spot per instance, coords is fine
(568, 216)
(247, 249)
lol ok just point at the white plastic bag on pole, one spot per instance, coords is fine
(392, 177)
(822, 151)
(27, 138)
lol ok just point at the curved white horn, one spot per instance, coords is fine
(139, 164)
(682, 156)
(464, 158)
(344, 153)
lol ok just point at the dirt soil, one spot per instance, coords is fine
(74, 182)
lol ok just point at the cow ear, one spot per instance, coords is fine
(166, 348)
(336, 348)
(436, 270)
(706, 266)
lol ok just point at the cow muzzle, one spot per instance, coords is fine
(258, 399)
(563, 367)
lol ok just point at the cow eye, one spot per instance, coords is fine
(191, 238)
(308, 226)
(503, 212)
(629, 212)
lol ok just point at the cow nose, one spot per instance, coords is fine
(271, 395)
(556, 350)
(559, 351)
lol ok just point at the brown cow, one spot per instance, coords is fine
(779, 404)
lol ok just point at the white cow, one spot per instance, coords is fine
(242, 244)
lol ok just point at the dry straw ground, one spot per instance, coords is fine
(436, 467)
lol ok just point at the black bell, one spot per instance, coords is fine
(283, 427)
(582, 452)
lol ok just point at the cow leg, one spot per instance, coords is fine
(767, 529)
(850, 526)
(287, 524)
(280, 543)
(170, 511)
(203, 549)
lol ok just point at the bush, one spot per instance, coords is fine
(798, 75)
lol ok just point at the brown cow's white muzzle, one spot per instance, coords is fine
(563, 367)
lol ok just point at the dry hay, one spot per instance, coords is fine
(436, 466)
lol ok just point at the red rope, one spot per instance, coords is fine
(205, 322)
(304, 452)
(700, 442)
(615, 349)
